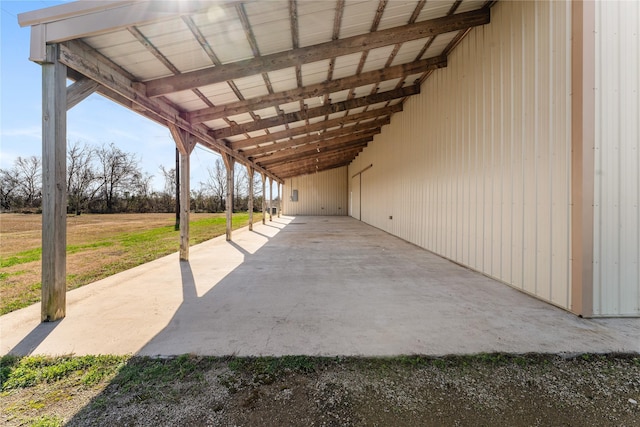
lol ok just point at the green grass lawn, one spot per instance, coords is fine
(100, 254)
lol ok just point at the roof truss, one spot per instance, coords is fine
(296, 87)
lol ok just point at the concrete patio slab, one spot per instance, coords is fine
(313, 286)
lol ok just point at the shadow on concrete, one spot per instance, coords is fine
(29, 343)
(261, 234)
(240, 248)
(344, 288)
(189, 291)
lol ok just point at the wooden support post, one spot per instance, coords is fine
(279, 201)
(185, 144)
(250, 171)
(270, 198)
(54, 194)
(229, 164)
(264, 199)
(185, 202)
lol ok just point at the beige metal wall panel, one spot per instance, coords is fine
(617, 160)
(323, 193)
(477, 167)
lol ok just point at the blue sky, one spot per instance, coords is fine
(96, 120)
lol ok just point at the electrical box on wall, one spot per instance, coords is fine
(294, 195)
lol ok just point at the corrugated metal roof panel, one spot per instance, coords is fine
(225, 35)
(357, 17)
(216, 124)
(290, 107)
(279, 128)
(265, 113)
(434, 9)
(241, 118)
(377, 58)
(439, 44)
(361, 91)
(337, 115)
(346, 65)
(284, 79)
(315, 20)
(388, 85)
(315, 72)
(397, 13)
(256, 133)
(252, 86)
(220, 93)
(339, 96)
(271, 25)
(469, 5)
(186, 100)
(408, 51)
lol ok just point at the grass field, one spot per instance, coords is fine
(97, 246)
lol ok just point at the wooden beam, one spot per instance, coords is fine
(316, 90)
(88, 62)
(314, 139)
(316, 127)
(316, 149)
(79, 91)
(264, 197)
(182, 138)
(229, 165)
(340, 47)
(323, 154)
(328, 159)
(316, 167)
(308, 171)
(54, 194)
(315, 112)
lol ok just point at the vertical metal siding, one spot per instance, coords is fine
(476, 168)
(323, 193)
(617, 160)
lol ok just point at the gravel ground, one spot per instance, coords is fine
(483, 390)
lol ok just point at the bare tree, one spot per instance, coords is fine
(29, 173)
(81, 176)
(241, 187)
(168, 199)
(8, 188)
(117, 171)
(217, 184)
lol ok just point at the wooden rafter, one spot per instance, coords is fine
(316, 127)
(318, 52)
(316, 150)
(88, 62)
(315, 90)
(315, 112)
(315, 138)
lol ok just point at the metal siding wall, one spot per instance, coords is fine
(476, 168)
(323, 193)
(617, 160)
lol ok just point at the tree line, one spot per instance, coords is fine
(106, 179)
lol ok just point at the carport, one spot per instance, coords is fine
(500, 135)
(309, 285)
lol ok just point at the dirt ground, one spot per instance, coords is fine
(485, 390)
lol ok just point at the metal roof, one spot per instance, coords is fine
(289, 86)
